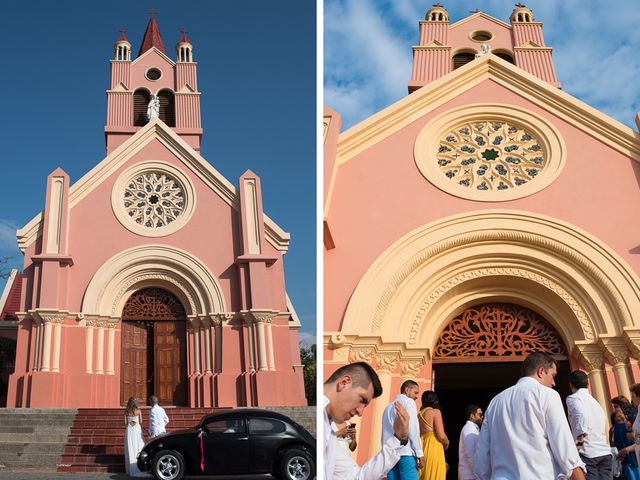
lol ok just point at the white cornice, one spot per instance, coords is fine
(155, 129)
(426, 99)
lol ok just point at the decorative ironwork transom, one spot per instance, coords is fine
(498, 332)
(153, 199)
(153, 304)
(490, 155)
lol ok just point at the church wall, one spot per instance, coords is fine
(459, 35)
(152, 59)
(595, 191)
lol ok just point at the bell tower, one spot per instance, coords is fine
(445, 47)
(152, 86)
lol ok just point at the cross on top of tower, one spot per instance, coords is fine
(153, 12)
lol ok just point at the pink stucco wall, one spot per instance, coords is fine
(366, 195)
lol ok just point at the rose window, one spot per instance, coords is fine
(153, 199)
(490, 155)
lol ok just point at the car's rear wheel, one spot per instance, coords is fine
(168, 465)
(296, 464)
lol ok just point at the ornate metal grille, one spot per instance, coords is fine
(153, 304)
(498, 331)
(154, 199)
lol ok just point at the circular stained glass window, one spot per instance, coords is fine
(153, 199)
(154, 74)
(490, 155)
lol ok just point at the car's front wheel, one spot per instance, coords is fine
(296, 464)
(168, 465)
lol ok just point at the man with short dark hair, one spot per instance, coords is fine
(525, 434)
(589, 426)
(411, 455)
(346, 393)
(468, 442)
(158, 419)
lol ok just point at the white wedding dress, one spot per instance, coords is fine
(133, 443)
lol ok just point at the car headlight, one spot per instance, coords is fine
(143, 455)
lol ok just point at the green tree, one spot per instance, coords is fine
(308, 357)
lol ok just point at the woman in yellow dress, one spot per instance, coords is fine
(434, 440)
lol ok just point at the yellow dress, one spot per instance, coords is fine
(434, 464)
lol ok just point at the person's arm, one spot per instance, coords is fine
(577, 419)
(561, 441)
(438, 428)
(482, 456)
(470, 441)
(414, 429)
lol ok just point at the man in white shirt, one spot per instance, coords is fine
(346, 393)
(411, 455)
(525, 434)
(157, 418)
(468, 442)
(589, 425)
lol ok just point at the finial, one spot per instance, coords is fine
(122, 36)
(153, 12)
(521, 5)
(477, 10)
(437, 4)
(184, 31)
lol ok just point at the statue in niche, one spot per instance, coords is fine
(153, 109)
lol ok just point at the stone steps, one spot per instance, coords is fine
(32, 438)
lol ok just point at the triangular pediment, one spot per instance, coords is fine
(120, 88)
(154, 51)
(479, 15)
(155, 130)
(531, 44)
(437, 93)
(435, 43)
(186, 88)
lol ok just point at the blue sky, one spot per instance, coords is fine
(257, 74)
(368, 56)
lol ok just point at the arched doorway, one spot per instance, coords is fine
(479, 354)
(154, 351)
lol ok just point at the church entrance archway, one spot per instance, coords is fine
(154, 348)
(479, 354)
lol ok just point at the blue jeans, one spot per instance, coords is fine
(405, 469)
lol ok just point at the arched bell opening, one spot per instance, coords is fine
(154, 348)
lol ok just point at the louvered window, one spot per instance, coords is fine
(505, 56)
(141, 99)
(167, 108)
(462, 59)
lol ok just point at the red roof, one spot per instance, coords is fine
(152, 38)
(12, 305)
(184, 38)
(122, 36)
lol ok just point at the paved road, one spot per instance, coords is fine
(4, 475)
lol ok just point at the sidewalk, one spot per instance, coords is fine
(26, 475)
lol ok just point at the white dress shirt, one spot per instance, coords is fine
(587, 417)
(157, 420)
(525, 436)
(338, 464)
(466, 449)
(414, 447)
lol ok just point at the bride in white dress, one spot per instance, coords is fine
(133, 439)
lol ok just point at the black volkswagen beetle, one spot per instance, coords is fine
(240, 441)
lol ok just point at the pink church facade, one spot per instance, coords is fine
(153, 274)
(486, 214)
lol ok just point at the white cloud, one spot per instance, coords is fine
(307, 339)
(368, 50)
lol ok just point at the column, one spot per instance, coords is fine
(618, 356)
(593, 360)
(111, 346)
(272, 360)
(37, 356)
(195, 322)
(206, 321)
(259, 318)
(89, 350)
(252, 361)
(386, 363)
(46, 346)
(260, 341)
(57, 339)
(100, 357)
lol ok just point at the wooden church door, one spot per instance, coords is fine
(154, 348)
